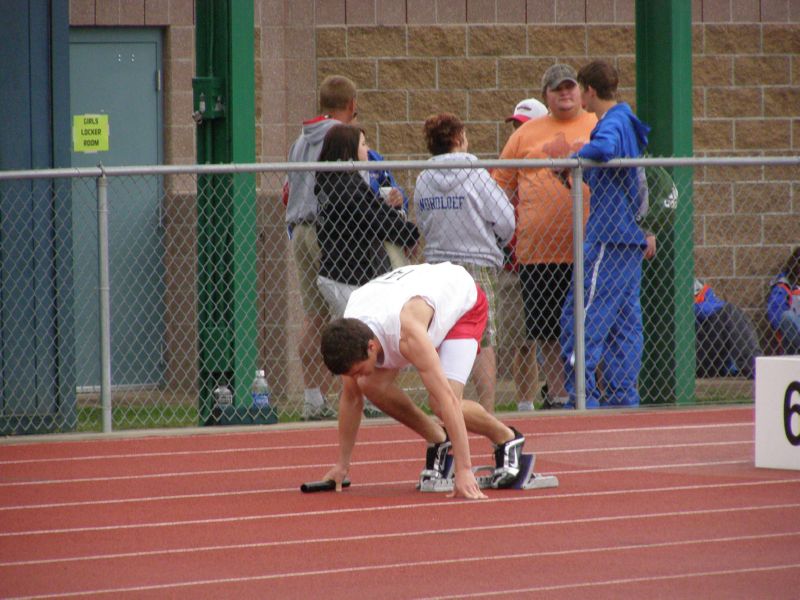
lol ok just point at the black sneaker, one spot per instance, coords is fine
(507, 461)
(436, 460)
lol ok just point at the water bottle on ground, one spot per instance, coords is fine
(259, 391)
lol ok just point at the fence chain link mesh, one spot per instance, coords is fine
(205, 286)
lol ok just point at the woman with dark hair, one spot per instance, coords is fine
(353, 222)
(783, 305)
(466, 219)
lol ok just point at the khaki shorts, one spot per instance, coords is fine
(306, 256)
(510, 310)
(486, 277)
(397, 256)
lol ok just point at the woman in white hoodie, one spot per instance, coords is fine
(466, 219)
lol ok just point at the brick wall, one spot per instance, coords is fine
(478, 71)
(746, 102)
(479, 57)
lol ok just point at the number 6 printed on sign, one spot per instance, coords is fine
(790, 410)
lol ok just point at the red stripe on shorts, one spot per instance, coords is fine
(473, 322)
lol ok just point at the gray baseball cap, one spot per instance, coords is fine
(556, 75)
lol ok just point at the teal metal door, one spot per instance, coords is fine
(118, 72)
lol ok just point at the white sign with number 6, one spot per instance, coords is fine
(778, 412)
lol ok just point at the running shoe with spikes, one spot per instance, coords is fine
(507, 461)
(436, 463)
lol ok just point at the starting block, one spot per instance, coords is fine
(526, 480)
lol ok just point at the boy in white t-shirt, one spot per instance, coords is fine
(432, 317)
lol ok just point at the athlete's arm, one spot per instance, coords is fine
(351, 403)
(416, 347)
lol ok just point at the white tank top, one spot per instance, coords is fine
(447, 288)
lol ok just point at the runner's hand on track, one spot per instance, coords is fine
(338, 474)
(466, 486)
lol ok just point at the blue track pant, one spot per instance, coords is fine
(613, 325)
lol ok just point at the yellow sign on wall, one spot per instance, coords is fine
(90, 133)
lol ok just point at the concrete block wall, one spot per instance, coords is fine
(479, 57)
(746, 72)
(479, 71)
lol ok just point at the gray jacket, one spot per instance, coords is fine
(301, 206)
(463, 214)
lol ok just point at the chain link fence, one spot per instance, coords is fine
(147, 297)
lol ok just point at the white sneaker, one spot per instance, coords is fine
(317, 413)
(525, 406)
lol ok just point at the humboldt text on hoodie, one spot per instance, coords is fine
(463, 214)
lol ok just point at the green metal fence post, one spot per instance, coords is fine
(241, 91)
(224, 109)
(664, 101)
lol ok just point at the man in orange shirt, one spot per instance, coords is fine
(544, 221)
(509, 296)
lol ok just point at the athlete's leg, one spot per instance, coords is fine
(457, 357)
(508, 442)
(381, 389)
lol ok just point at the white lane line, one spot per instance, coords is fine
(410, 534)
(626, 581)
(249, 449)
(396, 507)
(294, 489)
(6, 484)
(464, 560)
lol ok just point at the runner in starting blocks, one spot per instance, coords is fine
(526, 480)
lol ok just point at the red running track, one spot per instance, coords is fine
(651, 504)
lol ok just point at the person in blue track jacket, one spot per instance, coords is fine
(379, 178)
(783, 305)
(726, 341)
(614, 247)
